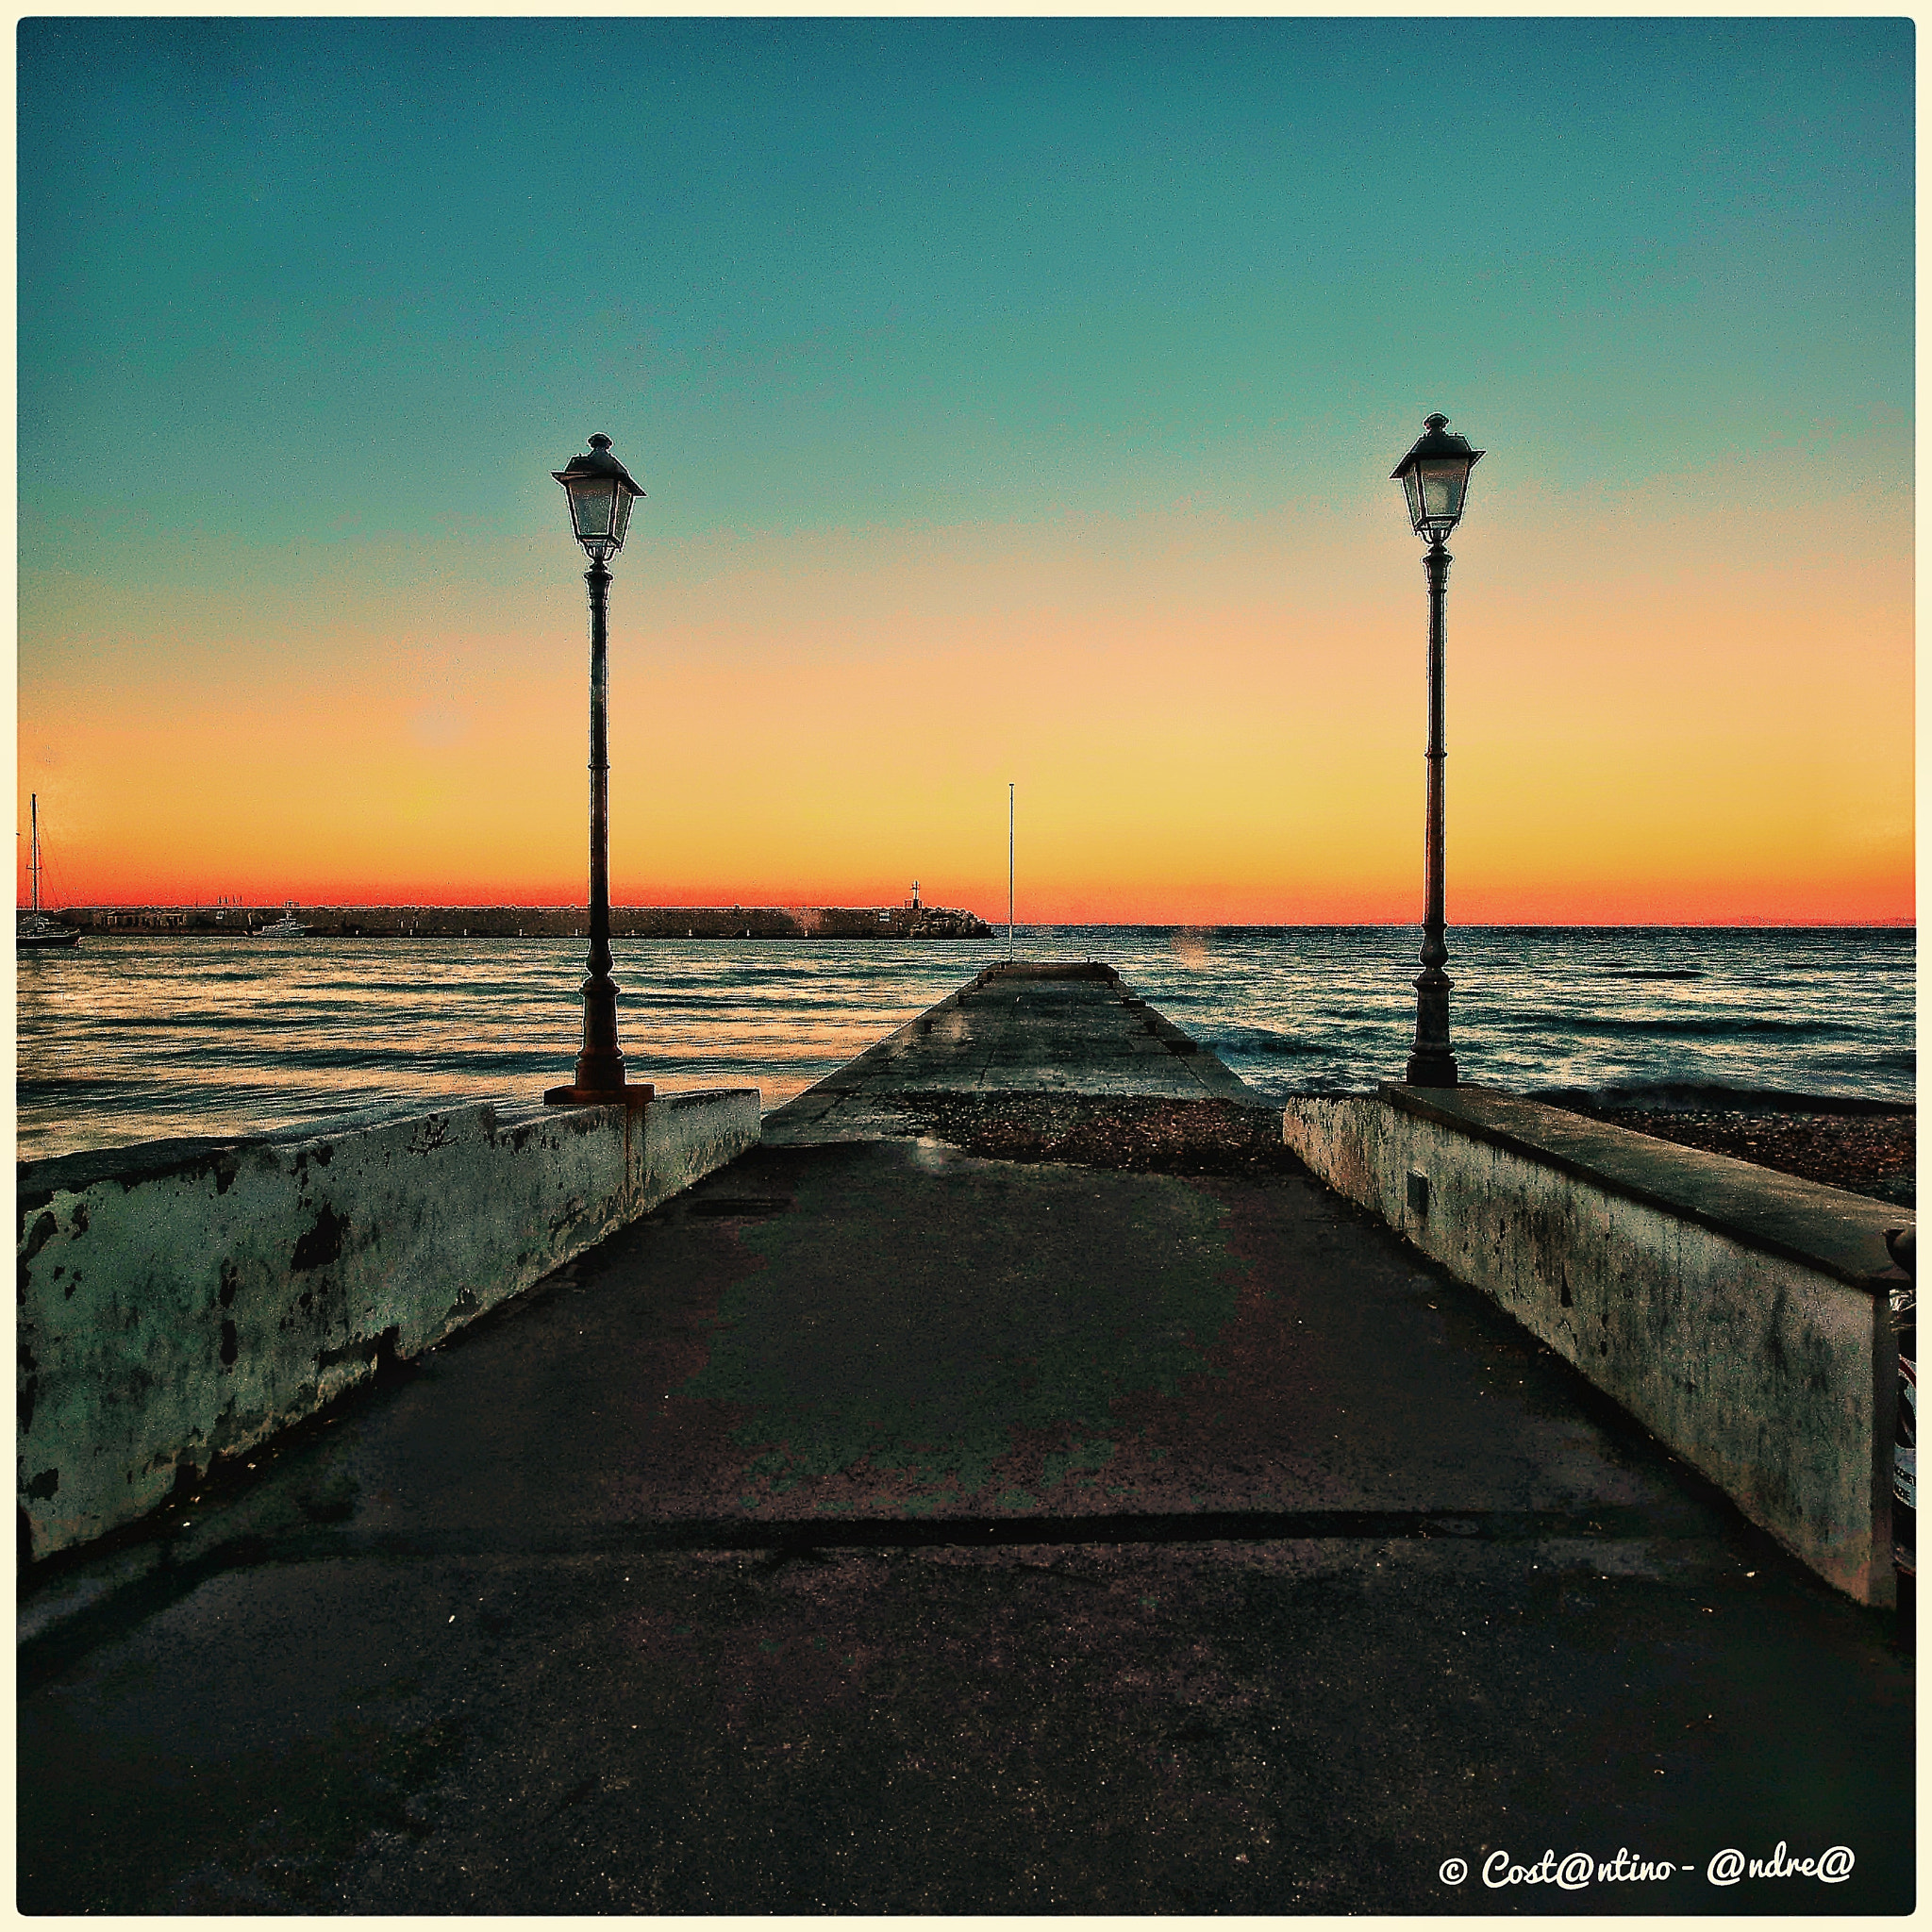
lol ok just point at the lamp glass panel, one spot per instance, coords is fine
(1412, 485)
(590, 502)
(1444, 480)
(625, 500)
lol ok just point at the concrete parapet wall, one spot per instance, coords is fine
(185, 1299)
(1741, 1315)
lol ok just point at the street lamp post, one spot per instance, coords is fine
(601, 492)
(1435, 475)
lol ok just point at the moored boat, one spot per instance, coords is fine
(33, 931)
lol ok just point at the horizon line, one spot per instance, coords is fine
(1764, 923)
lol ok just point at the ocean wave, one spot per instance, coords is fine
(504, 1063)
(1584, 1024)
(1261, 1041)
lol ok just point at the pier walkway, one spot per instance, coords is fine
(1014, 1488)
(1018, 1028)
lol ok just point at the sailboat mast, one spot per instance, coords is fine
(33, 868)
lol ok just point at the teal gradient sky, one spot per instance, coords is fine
(309, 308)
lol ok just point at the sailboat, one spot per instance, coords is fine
(34, 929)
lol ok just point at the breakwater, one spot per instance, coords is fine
(540, 922)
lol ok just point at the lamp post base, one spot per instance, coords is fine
(638, 1095)
(1430, 1061)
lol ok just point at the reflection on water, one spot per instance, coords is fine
(144, 1037)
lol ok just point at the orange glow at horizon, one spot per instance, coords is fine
(1208, 722)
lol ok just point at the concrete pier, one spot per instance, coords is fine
(179, 1303)
(1116, 1522)
(1019, 1028)
(1742, 1317)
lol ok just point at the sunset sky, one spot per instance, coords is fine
(1016, 401)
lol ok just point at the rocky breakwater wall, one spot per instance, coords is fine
(181, 1300)
(1742, 1316)
(536, 921)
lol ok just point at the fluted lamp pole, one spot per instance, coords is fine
(601, 492)
(1435, 475)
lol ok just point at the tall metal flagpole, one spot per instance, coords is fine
(1009, 871)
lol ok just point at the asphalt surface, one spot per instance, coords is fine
(880, 1527)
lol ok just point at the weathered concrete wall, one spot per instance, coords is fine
(187, 1298)
(1739, 1314)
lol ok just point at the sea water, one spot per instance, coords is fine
(147, 1036)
